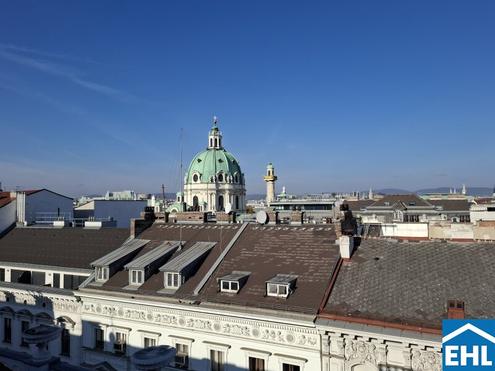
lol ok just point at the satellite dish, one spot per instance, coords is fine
(262, 217)
(228, 208)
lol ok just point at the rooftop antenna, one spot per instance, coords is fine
(181, 187)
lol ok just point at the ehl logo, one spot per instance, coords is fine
(468, 345)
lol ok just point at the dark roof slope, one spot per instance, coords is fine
(357, 205)
(306, 251)
(190, 233)
(406, 199)
(451, 205)
(410, 283)
(67, 247)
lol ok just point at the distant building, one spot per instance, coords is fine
(37, 206)
(410, 208)
(214, 180)
(119, 211)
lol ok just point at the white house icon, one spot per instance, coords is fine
(458, 355)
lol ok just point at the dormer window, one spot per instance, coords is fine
(101, 274)
(179, 269)
(173, 280)
(282, 285)
(233, 282)
(220, 177)
(137, 277)
(230, 286)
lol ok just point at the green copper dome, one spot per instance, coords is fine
(214, 165)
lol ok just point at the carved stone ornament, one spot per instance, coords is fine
(426, 361)
(358, 350)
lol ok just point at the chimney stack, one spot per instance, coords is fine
(455, 309)
(346, 246)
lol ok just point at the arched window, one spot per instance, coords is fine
(220, 177)
(236, 178)
(195, 178)
(237, 202)
(220, 203)
(195, 203)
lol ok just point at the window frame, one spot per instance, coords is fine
(96, 342)
(119, 347)
(136, 277)
(278, 286)
(177, 278)
(229, 289)
(102, 274)
(5, 321)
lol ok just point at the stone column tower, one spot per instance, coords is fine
(270, 179)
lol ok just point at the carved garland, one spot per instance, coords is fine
(251, 329)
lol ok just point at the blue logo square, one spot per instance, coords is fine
(468, 345)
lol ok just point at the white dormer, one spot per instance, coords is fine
(282, 285)
(233, 282)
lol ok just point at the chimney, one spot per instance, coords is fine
(455, 309)
(346, 246)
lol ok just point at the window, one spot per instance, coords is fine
(149, 342)
(173, 280)
(136, 277)
(56, 280)
(65, 343)
(120, 344)
(24, 327)
(99, 339)
(182, 356)
(2, 274)
(220, 177)
(101, 273)
(7, 330)
(229, 286)
(195, 178)
(217, 360)
(277, 290)
(38, 278)
(289, 367)
(72, 282)
(20, 276)
(256, 364)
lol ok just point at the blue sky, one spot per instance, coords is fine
(338, 95)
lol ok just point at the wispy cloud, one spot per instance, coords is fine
(44, 54)
(41, 97)
(68, 73)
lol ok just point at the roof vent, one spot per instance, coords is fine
(455, 309)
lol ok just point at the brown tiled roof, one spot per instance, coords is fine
(306, 251)
(410, 283)
(190, 233)
(67, 247)
(357, 205)
(451, 205)
(406, 199)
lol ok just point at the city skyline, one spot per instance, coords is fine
(338, 97)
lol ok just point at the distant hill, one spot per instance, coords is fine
(391, 191)
(471, 191)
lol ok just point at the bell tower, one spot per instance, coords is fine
(270, 179)
(215, 136)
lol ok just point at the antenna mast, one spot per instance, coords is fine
(181, 178)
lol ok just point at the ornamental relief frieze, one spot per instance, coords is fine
(426, 361)
(277, 333)
(68, 304)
